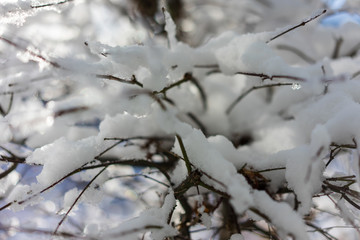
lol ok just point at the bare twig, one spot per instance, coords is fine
(198, 122)
(186, 159)
(2, 111)
(77, 199)
(133, 79)
(13, 158)
(296, 51)
(156, 138)
(336, 51)
(27, 230)
(8, 171)
(271, 169)
(322, 231)
(238, 99)
(271, 77)
(353, 51)
(134, 230)
(187, 77)
(70, 110)
(42, 58)
(303, 23)
(206, 66)
(141, 175)
(51, 4)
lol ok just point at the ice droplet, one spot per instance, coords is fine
(296, 86)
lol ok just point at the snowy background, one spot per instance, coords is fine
(204, 119)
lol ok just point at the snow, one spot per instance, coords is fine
(5, 130)
(281, 215)
(153, 220)
(62, 157)
(170, 28)
(301, 175)
(241, 196)
(201, 154)
(236, 236)
(61, 65)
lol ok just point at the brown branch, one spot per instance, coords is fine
(303, 23)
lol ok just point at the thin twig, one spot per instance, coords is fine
(161, 166)
(77, 199)
(201, 91)
(187, 77)
(353, 51)
(198, 122)
(111, 77)
(206, 66)
(14, 158)
(336, 51)
(296, 51)
(9, 170)
(303, 23)
(322, 231)
(134, 230)
(40, 231)
(2, 111)
(238, 99)
(271, 169)
(54, 64)
(271, 77)
(186, 159)
(105, 163)
(109, 148)
(141, 175)
(50, 4)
